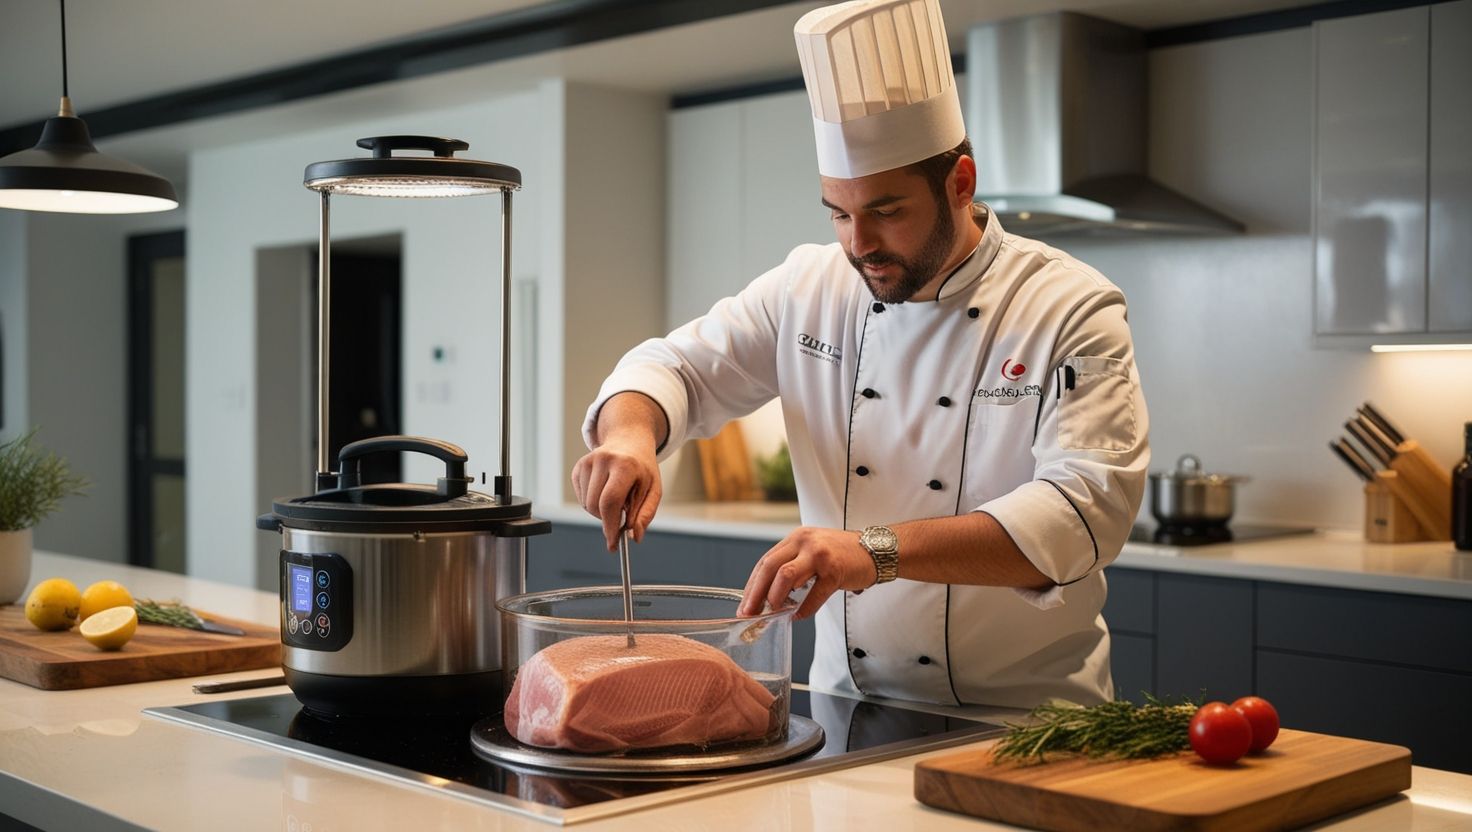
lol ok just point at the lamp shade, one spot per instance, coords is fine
(384, 174)
(64, 172)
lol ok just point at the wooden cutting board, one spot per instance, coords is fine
(1302, 778)
(65, 661)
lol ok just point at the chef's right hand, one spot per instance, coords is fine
(622, 473)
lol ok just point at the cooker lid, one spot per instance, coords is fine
(449, 505)
(1188, 471)
(384, 174)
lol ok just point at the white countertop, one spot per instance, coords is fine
(89, 759)
(1340, 559)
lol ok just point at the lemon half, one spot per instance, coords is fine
(54, 604)
(104, 595)
(111, 628)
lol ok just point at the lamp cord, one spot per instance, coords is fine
(64, 93)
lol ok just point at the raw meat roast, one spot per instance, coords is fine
(596, 694)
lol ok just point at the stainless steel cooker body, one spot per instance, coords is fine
(423, 604)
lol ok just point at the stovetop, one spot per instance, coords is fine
(437, 754)
(1209, 534)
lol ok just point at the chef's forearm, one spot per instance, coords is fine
(972, 549)
(633, 416)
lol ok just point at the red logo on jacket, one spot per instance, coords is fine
(1012, 371)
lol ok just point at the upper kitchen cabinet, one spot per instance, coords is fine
(1450, 309)
(1391, 185)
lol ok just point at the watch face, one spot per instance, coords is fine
(880, 538)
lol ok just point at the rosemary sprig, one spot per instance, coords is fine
(172, 613)
(1119, 729)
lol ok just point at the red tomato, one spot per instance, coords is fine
(1219, 734)
(1263, 718)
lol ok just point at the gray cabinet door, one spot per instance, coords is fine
(1450, 240)
(1370, 172)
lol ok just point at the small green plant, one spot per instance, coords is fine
(33, 482)
(774, 474)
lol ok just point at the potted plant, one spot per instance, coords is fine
(774, 473)
(33, 482)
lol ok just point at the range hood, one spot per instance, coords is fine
(1056, 110)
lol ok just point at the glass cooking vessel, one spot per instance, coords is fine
(761, 645)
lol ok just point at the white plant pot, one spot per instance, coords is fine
(15, 565)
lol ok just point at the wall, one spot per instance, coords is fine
(1222, 327)
(70, 355)
(584, 226)
(13, 411)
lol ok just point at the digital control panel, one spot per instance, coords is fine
(316, 600)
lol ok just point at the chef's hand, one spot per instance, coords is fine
(622, 473)
(832, 558)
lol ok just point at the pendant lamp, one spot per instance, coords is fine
(65, 173)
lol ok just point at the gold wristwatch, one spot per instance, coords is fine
(884, 548)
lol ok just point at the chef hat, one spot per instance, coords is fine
(879, 78)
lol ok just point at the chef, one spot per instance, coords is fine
(967, 430)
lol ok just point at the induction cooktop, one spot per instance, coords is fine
(437, 754)
(1206, 535)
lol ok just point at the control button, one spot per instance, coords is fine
(292, 625)
(944, 401)
(868, 393)
(878, 307)
(861, 471)
(859, 653)
(322, 579)
(934, 485)
(322, 600)
(306, 626)
(925, 660)
(323, 621)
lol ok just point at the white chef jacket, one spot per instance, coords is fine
(1014, 393)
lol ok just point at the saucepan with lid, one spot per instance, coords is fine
(687, 685)
(1189, 496)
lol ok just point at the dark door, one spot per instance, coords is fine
(156, 401)
(365, 371)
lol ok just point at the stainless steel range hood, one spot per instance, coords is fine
(1056, 110)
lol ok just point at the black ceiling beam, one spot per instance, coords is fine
(554, 25)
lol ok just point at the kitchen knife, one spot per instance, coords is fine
(1432, 512)
(1357, 465)
(1396, 437)
(1373, 448)
(1358, 458)
(216, 627)
(1431, 473)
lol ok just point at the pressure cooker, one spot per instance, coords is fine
(389, 590)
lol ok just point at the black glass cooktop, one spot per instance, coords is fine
(1206, 535)
(442, 749)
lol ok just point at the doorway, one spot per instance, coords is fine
(156, 471)
(366, 371)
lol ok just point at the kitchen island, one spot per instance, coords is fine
(90, 759)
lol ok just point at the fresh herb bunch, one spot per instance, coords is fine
(1119, 729)
(33, 482)
(171, 613)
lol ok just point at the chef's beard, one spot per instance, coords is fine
(914, 272)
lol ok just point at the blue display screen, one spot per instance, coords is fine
(301, 587)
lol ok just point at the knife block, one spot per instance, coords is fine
(1387, 518)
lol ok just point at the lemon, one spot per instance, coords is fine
(54, 604)
(111, 628)
(104, 595)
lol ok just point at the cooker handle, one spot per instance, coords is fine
(384, 146)
(453, 484)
